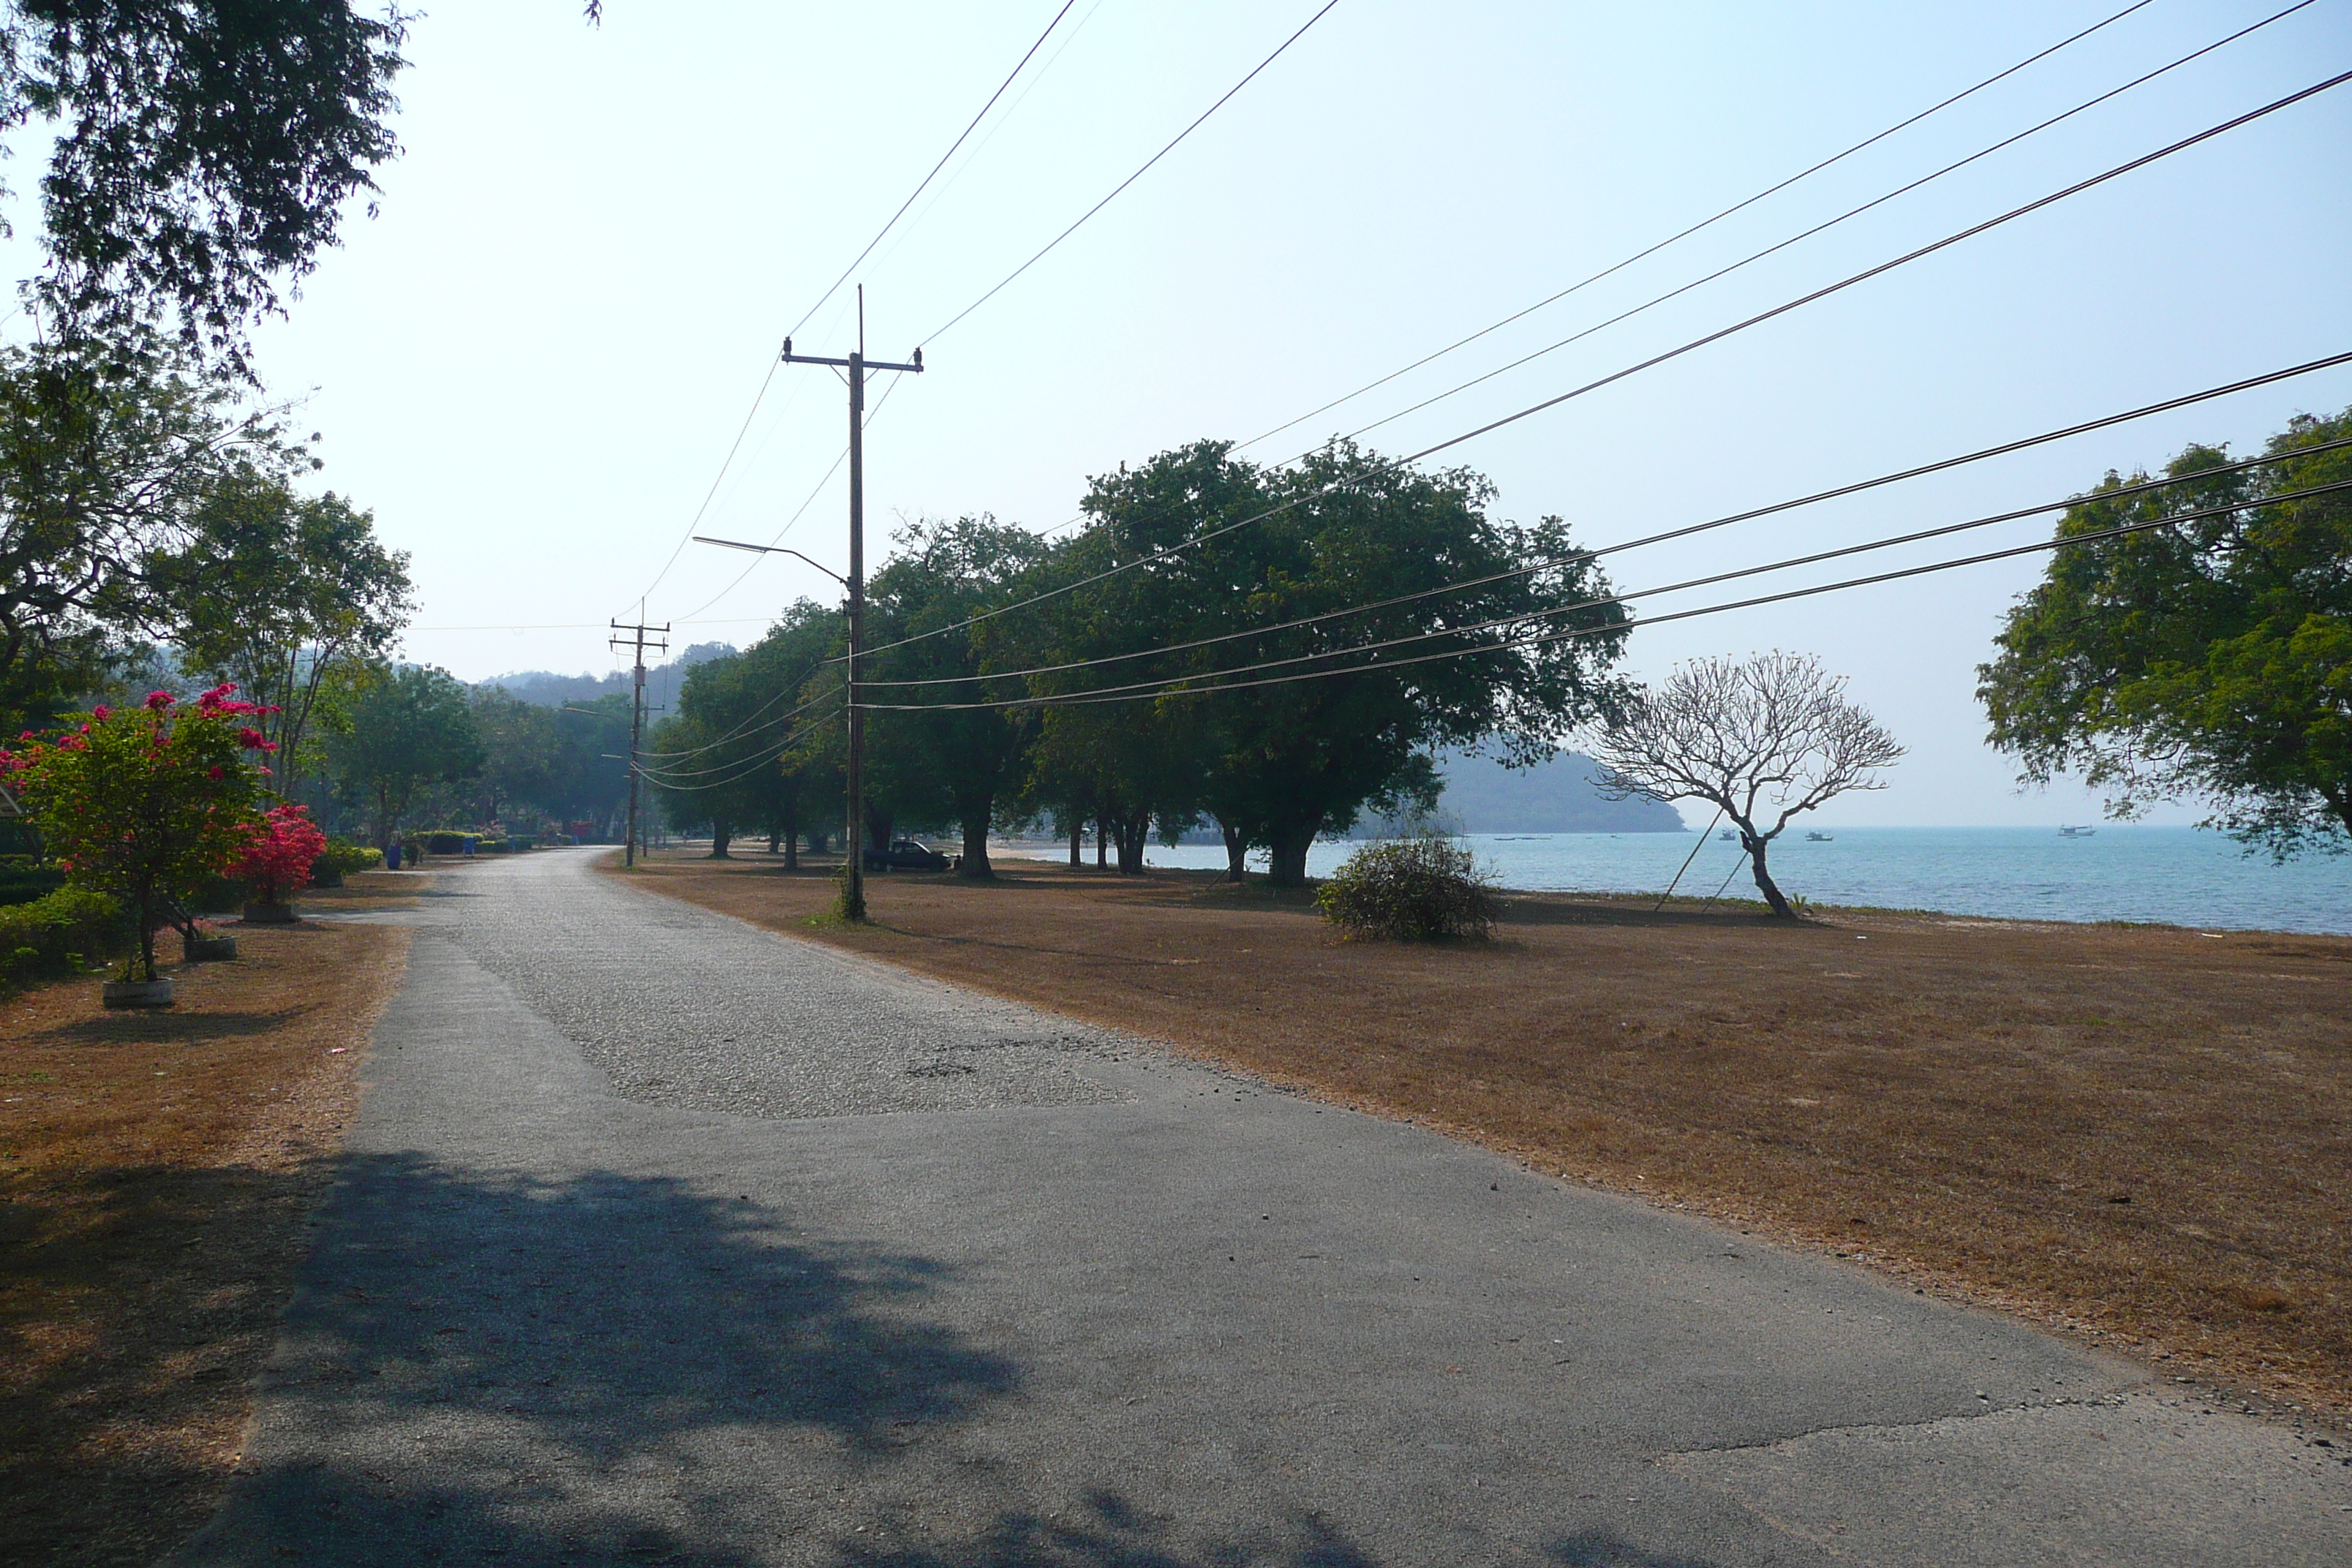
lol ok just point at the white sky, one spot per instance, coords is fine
(532, 363)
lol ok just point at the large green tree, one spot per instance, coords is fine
(205, 150)
(107, 455)
(2208, 659)
(742, 753)
(522, 756)
(957, 764)
(285, 594)
(412, 729)
(1414, 560)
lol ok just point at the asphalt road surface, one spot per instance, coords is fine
(663, 1240)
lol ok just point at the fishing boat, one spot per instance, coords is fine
(2064, 832)
(1729, 836)
(1818, 838)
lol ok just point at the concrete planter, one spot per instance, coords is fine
(210, 949)
(269, 914)
(136, 994)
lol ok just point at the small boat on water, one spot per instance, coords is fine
(1729, 836)
(1818, 838)
(2064, 832)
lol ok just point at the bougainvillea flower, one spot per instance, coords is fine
(100, 711)
(159, 700)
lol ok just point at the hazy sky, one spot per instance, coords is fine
(532, 362)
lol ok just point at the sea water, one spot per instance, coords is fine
(2175, 876)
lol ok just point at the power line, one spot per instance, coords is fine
(777, 537)
(1018, 66)
(1606, 600)
(1574, 557)
(1177, 686)
(1138, 174)
(1703, 223)
(1728, 212)
(1818, 228)
(766, 381)
(1394, 464)
(742, 767)
(747, 725)
(1012, 111)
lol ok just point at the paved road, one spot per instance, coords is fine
(666, 1239)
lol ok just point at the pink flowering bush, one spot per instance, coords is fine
(144, 804)
(283, 846)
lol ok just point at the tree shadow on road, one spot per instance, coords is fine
(561, 1369)
(616, 1368)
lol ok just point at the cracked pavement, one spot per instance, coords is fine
(662, 1238)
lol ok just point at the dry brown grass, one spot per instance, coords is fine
(157, 1170)
(2137, 1135)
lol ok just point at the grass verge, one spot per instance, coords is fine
(157, 1170)
(2134, 1135)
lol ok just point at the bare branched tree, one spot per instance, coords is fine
(1764, 739)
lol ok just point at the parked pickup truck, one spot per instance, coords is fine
(905, 855)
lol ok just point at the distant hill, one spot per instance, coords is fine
(1558, 796)
(548, 690)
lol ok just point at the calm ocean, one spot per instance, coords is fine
(2178, 876)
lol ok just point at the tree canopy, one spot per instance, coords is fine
(2208, 659)
(1513, 616)
(741, 753)
(412, 728)
(206, 149)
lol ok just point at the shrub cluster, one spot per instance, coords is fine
(24, 877)
(1410, 890)
(340, 859)
(47, 936)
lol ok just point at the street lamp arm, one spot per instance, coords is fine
(773, 550)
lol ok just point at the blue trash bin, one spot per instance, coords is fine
(392, 855)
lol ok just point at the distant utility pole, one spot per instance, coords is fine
(853, 903)
(640, 635)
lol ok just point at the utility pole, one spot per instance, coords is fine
(853, 899)
(639, 635)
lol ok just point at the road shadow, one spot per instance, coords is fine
(482, 1364)
(1109, 1531)
(1606, 1549)
(165, 1026)
(624, 1369)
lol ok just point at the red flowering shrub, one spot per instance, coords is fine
(144, 803)
(283, 846)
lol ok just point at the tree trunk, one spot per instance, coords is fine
(816, 842)
(1102, 844)
(1133, 833)
(1755, 845)
(775, 840)
(976, 816)
(146, 932)
(722, 834)
(1287, 853)
(1078, 842)
(1236, 852)
(878, 828)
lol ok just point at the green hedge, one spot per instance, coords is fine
(45, 937)
(339, 859)
(22, 878)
